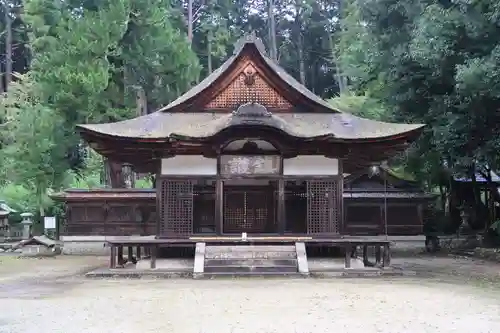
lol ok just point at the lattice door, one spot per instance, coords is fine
(176, 205)
(295, 208)
(246, 211)
(322, 207)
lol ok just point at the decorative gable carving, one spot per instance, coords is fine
(249, 87)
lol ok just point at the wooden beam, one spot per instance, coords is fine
(387, 256)
(347, 256)
(112, 257)
(281, 207)
(219, 206)
(154, 253)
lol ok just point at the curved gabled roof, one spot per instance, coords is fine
(253, 45)
(321, 119)
(164, 125)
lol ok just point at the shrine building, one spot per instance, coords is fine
(247, 150)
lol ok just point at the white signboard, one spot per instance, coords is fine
(311, 165)
(189, 165)
(49, 222)
(249, 165)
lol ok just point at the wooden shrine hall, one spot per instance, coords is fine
(248, 150)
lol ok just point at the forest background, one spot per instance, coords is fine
(76, 61)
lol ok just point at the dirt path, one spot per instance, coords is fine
(450, 268)
(232, 306)
(14, 268)
(50, 295)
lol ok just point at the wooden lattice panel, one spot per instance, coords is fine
(295, 208)
(322, 206)
(246, 89)
(247, 211)
(204, 209)
(234, 212)
(176, 208)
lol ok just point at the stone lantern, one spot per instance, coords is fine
(5, 211)
(465, 217)
(27, 222)
(4, 223)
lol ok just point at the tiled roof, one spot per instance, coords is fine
(163, 124)
(250, 41)
(160, 125)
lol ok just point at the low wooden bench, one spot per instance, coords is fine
(150, 246)
(381, 245)
(382, 251)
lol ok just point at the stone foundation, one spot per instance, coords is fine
(85, 245)
(39, 251)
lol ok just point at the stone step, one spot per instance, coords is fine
(251, 248)
(250, 252)
(247, 269)
(229, 275)
(251, 262)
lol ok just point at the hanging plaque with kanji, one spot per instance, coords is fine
(250, 165)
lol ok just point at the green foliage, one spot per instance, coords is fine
(90, 175)
(433, 63)
(144, 183)
(362, 106)
(20, 198)
(31, 159)
(87, 60)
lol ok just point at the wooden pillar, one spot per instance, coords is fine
(120, 254)
(138, 252)
(347, 256)
(154, 251)
(112, 257)
(420, 211)
(377, 255)
(219, 206)
(365, 254)
(387, 256)
(331, 211)
(130, 254)
(281, 207)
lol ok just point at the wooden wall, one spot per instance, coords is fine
(366, 216)
(110, 218)
(364, 205)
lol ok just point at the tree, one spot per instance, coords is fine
(32, 157)
(435, 63)
(362, 106)
(91, 60)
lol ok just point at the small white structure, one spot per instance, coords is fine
(39, 246)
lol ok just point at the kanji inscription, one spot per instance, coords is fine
(250, 165)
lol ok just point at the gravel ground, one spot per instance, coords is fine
(63, 302)
(13, 268)
(254, 306)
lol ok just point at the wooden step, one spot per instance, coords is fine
(251, 262)
(229, 275)
(246, 260)
(250, 269)
(250, 252)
